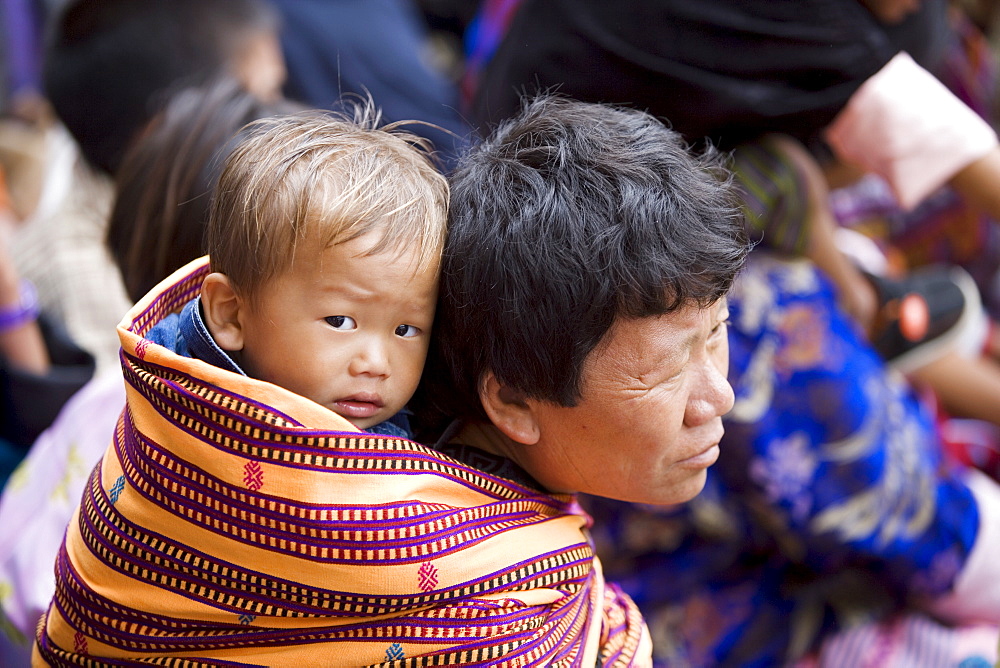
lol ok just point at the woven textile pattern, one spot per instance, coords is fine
(232, 522)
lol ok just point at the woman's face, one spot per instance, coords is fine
(648, 424)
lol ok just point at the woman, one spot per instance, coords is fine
(584, 348)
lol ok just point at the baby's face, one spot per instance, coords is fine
(346, 330)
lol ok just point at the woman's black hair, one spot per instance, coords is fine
(569, 217)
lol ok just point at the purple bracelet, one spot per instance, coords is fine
(25, 310)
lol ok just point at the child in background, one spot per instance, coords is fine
(325, 237)
(157, 225)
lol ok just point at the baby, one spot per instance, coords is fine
(325, 237)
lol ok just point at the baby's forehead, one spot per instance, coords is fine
(383, 237)
(350, 275)
(376, 247)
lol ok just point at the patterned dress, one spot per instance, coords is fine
(831, 504)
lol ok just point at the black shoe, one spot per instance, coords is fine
(924, 315)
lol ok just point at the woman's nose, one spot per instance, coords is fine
(711, 397)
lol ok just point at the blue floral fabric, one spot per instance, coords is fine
(831, 503)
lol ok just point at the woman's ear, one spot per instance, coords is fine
(221, 308)
(509, 410)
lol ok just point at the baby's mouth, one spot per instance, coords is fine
(359, 406)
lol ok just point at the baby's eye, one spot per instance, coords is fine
(407, 331)
(342, 322)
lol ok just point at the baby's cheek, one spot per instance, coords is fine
(411, 366)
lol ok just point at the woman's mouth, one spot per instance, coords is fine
(703, 459)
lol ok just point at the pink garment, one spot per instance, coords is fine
(904, 125)
(976, 595)
(42, 494)
(908, 641)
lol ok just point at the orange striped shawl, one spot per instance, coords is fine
(232, 522)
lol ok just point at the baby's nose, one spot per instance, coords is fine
(370, 359)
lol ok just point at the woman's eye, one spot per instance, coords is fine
(342, 322)
(406, 331)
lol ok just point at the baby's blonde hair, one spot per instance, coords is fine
(339, 177)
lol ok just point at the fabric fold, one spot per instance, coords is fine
(905, 126)
(232, 522)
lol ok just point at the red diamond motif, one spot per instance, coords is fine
(253, 476)
(428, 576)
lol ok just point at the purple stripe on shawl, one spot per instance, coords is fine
(250, 636)
(548, 646)
(405, 602)
(148, 467)
(609, 659)
(183, 292)
(420, 454)
(163, 373)
(297, 431)
(91, 534)
(84, 598)
(53, 655)
(580, 614)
